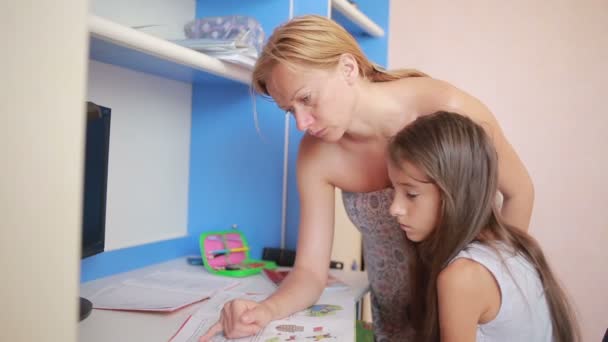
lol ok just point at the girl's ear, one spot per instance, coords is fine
(348, 68)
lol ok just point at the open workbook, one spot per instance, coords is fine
(330, 320)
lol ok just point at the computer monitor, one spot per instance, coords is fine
(97, 144)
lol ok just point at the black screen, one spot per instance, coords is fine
(95, 179)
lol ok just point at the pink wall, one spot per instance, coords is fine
(542, 67)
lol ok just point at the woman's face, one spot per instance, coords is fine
(320, 100)
(416, 202)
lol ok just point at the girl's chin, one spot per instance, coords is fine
(412, 236)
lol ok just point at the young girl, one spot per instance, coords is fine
(474, 278)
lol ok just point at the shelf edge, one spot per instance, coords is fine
(357, 17)
(130, 38)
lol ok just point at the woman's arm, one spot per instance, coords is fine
(306, 282)
(467, 295)
(514, 182)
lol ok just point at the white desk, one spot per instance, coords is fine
(117, 326)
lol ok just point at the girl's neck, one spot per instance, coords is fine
(486, 235)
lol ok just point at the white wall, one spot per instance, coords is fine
(148, 166)
(541, 66)
(162, 18)
(42, 127)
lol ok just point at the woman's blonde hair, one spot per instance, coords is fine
(318, 42)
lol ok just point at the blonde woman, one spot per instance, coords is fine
(349, 108)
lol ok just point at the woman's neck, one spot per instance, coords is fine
(378, 112)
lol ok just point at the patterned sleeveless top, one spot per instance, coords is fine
(386, 252)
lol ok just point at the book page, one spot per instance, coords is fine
(319, 322)
(160, 291)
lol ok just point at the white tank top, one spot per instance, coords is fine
(524, 314)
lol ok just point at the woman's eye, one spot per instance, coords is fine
(411, 195)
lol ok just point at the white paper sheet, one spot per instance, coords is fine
(160, 291)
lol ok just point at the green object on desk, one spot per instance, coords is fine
(226, 253)
(364, 332)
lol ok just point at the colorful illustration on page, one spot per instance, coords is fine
(290, 328)
(321, 337)
(321, 322)
(321, 310)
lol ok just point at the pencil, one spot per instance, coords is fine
(229, 250)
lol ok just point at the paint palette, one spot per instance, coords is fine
(227, 253)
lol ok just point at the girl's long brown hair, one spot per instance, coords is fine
(460, 159)
(317, 42)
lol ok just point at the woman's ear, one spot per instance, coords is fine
(348, 68)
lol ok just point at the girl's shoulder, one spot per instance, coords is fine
(463, 273)
(466, 288)
(472, 267)
(471, 277)
(491, 254)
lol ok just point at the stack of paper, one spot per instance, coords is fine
(226, 50)
(160, 291)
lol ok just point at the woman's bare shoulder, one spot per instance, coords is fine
(318, 157)
(428, 95)
(314, 148)
(422, 85)
(424, 95)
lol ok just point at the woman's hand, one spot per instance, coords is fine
(240, 318)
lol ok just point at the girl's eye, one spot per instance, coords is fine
(411, 195)
(306, 99)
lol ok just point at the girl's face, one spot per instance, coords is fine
(416, 202)
(319, 100)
